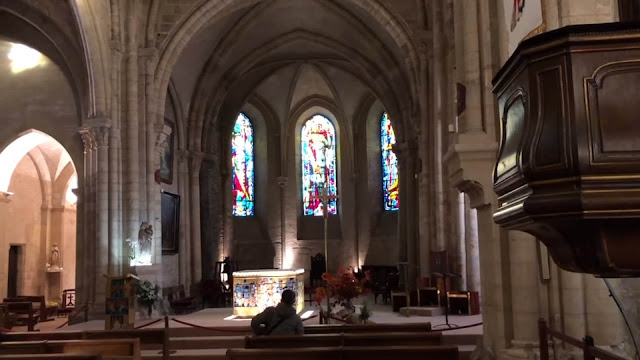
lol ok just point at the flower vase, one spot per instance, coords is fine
(149, 311)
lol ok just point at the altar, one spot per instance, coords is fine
(255, 290)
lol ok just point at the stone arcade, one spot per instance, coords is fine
(218, 123)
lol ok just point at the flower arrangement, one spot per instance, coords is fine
(341, 289)
(147, 294)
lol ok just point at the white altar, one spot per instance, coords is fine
(255, 290)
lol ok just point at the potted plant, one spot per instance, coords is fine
(365, 313)
(340, 289)
(147, 295)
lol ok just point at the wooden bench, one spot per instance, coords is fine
(366, 328)
(149, 338)
(110, 347)
(40, 305)
(179, 302)
(436, 352)
(357, 339)
(52, 357)
(22, 311)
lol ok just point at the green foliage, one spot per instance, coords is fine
(365, 313)
(147, 293)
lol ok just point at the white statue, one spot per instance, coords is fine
(54, 261)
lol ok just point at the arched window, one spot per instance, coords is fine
(389, 165)
(318, 141)
(242, 162)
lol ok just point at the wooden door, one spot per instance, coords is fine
(12, 280)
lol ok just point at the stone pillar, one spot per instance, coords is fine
(184, 256)
(89, 250)
(282, 183)
(573, 304)
(471, 119)
(525, 273)
(461, 247)
(472, 248)
(195, 162)
(407, 219)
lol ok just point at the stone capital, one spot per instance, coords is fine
(101, 136)
(88, 140)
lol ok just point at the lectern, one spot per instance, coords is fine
(120, 301)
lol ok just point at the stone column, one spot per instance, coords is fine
(573, 304)
(195, 162)
(461, 247)
(104, 257)
(407, 219)
(468, 56)
(184, 256)
(525, 273)
(282, 183)
(87, 260)
(472, 248)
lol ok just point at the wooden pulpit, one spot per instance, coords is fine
(120, 304)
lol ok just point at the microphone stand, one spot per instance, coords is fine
(446, 308)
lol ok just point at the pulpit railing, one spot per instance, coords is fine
(590, 351)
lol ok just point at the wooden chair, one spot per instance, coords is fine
(179, 302)
(68, 302)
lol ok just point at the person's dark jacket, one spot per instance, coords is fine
(292, 325)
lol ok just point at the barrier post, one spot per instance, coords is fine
(544, 342)
(165, 342)
(588, 343)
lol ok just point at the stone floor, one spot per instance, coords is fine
(216, 317)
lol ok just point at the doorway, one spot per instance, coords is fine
(12, 279)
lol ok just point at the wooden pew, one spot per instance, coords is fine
(24, 312)
(436, 352)
(110, 347)
(39, 306)
(366, 328)
(357, 339)
(52, 357)
(147, 337)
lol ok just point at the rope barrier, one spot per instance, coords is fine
(151, 323)
(209, 328)
(73, 315)
(458, 328)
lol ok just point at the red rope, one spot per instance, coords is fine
(457, 328)
(65, 323)
(208, 328)
(145, 325)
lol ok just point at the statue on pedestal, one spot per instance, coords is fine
(54, 260)
(142, 248)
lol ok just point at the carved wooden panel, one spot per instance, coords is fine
(612, 110)
(549, 145)
(513, 122)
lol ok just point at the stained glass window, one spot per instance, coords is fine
(389, 165)
(242, 162)
(318, 140)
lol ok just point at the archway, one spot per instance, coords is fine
(38, 217)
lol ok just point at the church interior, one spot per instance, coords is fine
(474, 164)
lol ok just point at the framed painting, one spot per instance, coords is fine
(170, 207)
(166, 159)
(524, 18)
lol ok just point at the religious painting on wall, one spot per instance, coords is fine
(390, 182)
(166, 159)
(242, 167)
(523, 18)
(170, 208)
(318, 156)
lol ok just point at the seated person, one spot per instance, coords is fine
(279, 320)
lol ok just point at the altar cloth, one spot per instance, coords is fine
(255, 290)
